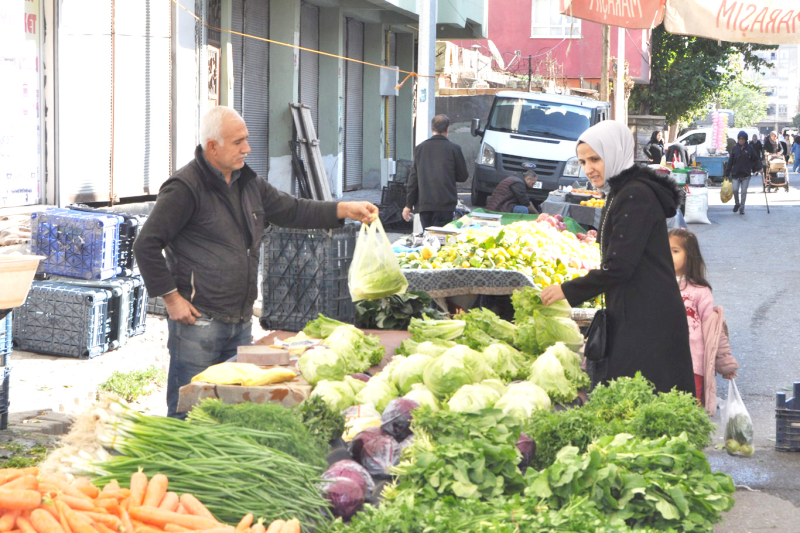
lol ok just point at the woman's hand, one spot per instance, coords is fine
(552, 294)
(730, 376)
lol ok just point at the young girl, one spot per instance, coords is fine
(708, 332)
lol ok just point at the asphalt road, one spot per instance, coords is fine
(754, 267)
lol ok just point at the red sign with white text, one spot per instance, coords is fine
(631, 14)
(748, 21)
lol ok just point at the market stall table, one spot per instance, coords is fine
(584, 215)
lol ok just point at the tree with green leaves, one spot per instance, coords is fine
(796, 120)
(746, 98)
(688, 73)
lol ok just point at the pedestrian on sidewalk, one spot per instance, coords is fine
(511, 194)
(647, 329)
(796, 153)
(757, 146)
(438, 165)
(654, 150)
(771, 144)
(209, 219)
(708, 331)
(742, 163)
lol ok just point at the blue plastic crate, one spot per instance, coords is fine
(5, 339)
(57, 319)
(128, 231)
(77, 244)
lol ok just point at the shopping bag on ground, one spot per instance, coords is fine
(726, 193)
(737, 423)
(374, 272)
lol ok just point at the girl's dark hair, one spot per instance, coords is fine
(695, 268)
(654, 136)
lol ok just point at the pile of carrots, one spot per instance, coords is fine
(31, 502)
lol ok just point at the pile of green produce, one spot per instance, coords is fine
(322, 422)
(395, 312)
(536, 249)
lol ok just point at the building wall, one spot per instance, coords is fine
(510, 26)
(782, 86)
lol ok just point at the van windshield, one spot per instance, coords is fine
(559, 121)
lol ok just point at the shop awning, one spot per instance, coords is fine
(631, 14)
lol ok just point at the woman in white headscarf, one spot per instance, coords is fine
(647, 327)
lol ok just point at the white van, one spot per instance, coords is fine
(533, 131)
(697, 142)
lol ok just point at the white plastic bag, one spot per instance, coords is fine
(737, 424)
(375, 272)
(697, 206)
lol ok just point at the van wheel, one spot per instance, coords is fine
(478, 198)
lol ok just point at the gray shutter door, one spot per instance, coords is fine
(354, 106)
(391, 101)
(309, 61)
(142, 93)
(84, 93)
(255, 84)
(237, 45)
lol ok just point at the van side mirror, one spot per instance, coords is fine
(475, 127)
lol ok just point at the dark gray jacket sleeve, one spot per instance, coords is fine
(287, 211)
(173, 209)
(462, 174)
(412, 192)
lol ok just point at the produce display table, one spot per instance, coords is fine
(443, 283)
(584, 215)
(287, 394)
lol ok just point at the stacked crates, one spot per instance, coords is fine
(5, 354)
(787, 421)
(91, 299)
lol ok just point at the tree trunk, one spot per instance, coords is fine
(673, 132)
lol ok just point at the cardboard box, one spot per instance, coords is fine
(288, 394)
(262, 355)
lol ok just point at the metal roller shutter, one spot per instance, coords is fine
(309, 61)
(142, 94)
(391, 101)
(237, 45)
(84, 94)
(255, 84)
(354, 106)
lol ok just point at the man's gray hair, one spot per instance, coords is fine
(211, 124)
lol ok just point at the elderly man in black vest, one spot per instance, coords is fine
(209, 218)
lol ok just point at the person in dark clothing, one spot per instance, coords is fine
(654, 150)
(647, 330)
(742, 163)
(511, 195)
(209, 218)
(438, 165)
(678, 152)
(786, 145)
(771, 144)
(757, 146)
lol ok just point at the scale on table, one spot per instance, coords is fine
(16, 276)
(485, 220)
(441, 233)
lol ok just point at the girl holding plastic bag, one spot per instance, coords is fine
(708, 332)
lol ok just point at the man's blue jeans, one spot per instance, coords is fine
(194, 348)
(521, 209)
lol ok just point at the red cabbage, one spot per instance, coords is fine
(346, 495)
(527, 447)
(357, 444)
(360, 376)
(351, 470)
(379, 454)
(396, 418)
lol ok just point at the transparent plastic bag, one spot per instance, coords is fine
(737, 423)
(726, 193)
(374, 272)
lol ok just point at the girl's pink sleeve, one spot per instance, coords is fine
(705, 304)
(725, 363)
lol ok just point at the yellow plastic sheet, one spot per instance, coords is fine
(244, 374)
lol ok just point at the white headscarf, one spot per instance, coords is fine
(615, 145)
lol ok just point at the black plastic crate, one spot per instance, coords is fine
(6, 336)
(140, 300)
(64, 320)
(394, 193)
(128, 231)
(4, 398)
(391, 216)
(305, 274)
(787, 421)
(156, 306)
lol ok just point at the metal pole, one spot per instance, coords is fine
(426, 84)
(530, 75)
(604, 65)
(619, 81)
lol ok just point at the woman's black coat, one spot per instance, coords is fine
(647, 327)
(654, 150)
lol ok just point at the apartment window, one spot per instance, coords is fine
(546, 21)
(771, 110)
(783, 110)
(772, 56)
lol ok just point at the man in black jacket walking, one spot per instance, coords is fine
(438, 165)
(209, 218)
(742, 163)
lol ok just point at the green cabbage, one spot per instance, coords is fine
(355, 384)
(572, 365)
(446, 374)
(495, 384)
(434, 348)
(553, 329)
(548, 372)
(338, 395)
(473, 398)
(378, 392)
(420, 394)
(473, 360)
(424, 329)
(491, 324)
(522, 399)
(528, 301)
(506, 361)
(321, 327)
(360, 351)
(409, 371)
(318, 364)
(380, 281)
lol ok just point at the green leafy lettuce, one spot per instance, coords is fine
(320, 363)
(548, 372)
(426, 329)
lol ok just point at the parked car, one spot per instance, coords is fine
(533, 130)
(698, 141)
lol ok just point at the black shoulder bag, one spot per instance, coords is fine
(597, 333)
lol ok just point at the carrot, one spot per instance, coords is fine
(152, 515)
(292, 526)
(274, 527)
(77, 504)
(221, 529)
(76, 523)
(62, 519)
(11, 474)
(109, 505)
(25, 482)
(156, 489)
(43, 522)
(245, 523)
(102, 528)
(195, 507)
(50, 507)
(13, 500)
(181, 509)
(172, 528)
(170, 502)
(111, 486)
(8, 520)
(127, 526)
(110, 520)
(25, 526)
(85, 486)
(147, 529)
(138, 488)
